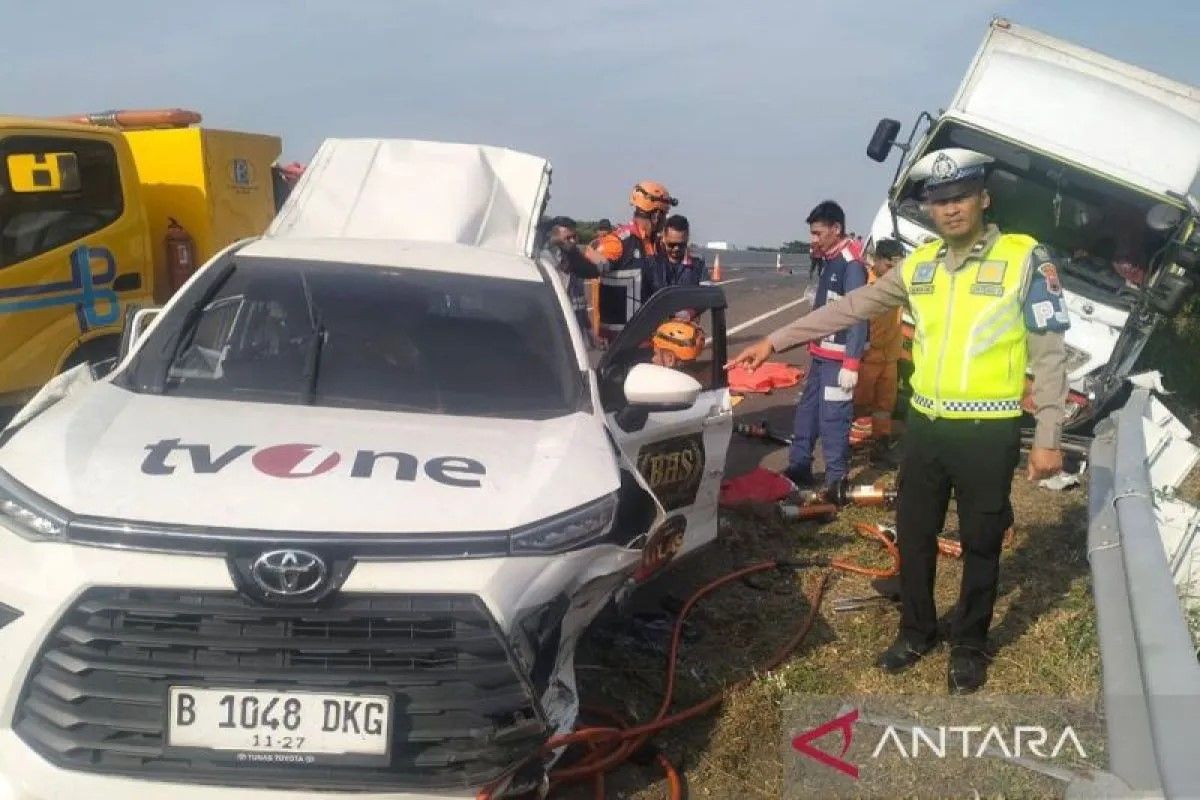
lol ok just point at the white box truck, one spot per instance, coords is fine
(1093, 157)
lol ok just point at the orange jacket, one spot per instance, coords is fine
(620, 246)
(886, 337)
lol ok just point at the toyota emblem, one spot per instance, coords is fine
(289, 573)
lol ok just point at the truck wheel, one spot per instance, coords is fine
(94, 352)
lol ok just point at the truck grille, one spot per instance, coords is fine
(95, 699)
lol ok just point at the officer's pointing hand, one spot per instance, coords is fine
(753, 356)
(1044, 463)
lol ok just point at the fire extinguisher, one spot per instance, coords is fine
(181, 254)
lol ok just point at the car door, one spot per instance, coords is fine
(680, 454)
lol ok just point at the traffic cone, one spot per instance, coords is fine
(716, 270)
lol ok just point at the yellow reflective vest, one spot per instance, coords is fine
(969, 340)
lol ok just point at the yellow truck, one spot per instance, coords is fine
(107, 213)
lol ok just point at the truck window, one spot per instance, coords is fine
(54, 191)
(1094, 228)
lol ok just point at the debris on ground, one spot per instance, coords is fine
(1044, 632)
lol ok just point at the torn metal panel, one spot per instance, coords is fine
(1179, 528)
(54, 390)
(1169, 454)
(402, 189)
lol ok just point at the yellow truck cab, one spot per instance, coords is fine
(84, 217)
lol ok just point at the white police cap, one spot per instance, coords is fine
(950, 172)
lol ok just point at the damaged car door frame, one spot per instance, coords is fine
(679, 451)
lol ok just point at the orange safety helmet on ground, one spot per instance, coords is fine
(685, 340)
(651, 196)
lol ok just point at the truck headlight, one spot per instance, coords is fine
(29, 516)
(567, 531)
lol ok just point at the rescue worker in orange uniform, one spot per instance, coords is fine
(875, 395)
(620, 255)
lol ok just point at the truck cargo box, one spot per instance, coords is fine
(1118, 119)
(216, 184)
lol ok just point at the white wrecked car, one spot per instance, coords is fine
(337, 518)
(1094, 158)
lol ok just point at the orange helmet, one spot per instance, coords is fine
(651, 196)
(684, 339)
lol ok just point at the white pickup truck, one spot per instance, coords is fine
(1093, 157)
(335, 522)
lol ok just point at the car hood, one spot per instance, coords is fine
(108, 452)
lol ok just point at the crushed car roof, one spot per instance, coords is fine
(404, 189)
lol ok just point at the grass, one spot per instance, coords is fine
(1044, 628)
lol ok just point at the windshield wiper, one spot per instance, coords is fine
(312, 357)
(312, 361)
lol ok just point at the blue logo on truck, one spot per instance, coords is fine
(96, 303)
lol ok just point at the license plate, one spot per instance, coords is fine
(280, 725)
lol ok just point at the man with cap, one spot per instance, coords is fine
(985, 305)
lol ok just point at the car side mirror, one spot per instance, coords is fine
(135, 329)
(885, 137)
(651, 388)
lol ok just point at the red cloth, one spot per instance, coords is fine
(771, 375)
(757, 486)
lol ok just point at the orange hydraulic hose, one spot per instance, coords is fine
(872, 532)
(630, 740)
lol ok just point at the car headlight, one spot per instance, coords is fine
(29, 516)
(567, 531)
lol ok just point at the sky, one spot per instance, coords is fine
(750, 112)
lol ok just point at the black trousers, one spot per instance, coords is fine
(975, 459)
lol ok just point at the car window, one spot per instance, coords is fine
(350, 336)
(54, 191)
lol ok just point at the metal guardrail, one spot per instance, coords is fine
(1151, 676)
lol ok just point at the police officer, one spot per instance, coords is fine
(986, 304)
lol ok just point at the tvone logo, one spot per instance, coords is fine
(309, 460)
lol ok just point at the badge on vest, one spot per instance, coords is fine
(991, 272)
(924, 272)
(989, 289)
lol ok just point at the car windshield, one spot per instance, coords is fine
(1095, 229)
(350, 336)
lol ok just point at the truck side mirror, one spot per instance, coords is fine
(885, 137)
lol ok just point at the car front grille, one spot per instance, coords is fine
(95, 699)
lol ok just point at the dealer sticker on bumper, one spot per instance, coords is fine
(282, 722)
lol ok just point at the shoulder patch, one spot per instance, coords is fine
(1050, 273)
(1041, 255)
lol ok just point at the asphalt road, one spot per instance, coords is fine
(760, 300)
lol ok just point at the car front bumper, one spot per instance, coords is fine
(45, 582)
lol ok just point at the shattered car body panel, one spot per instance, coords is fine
(389, 457)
